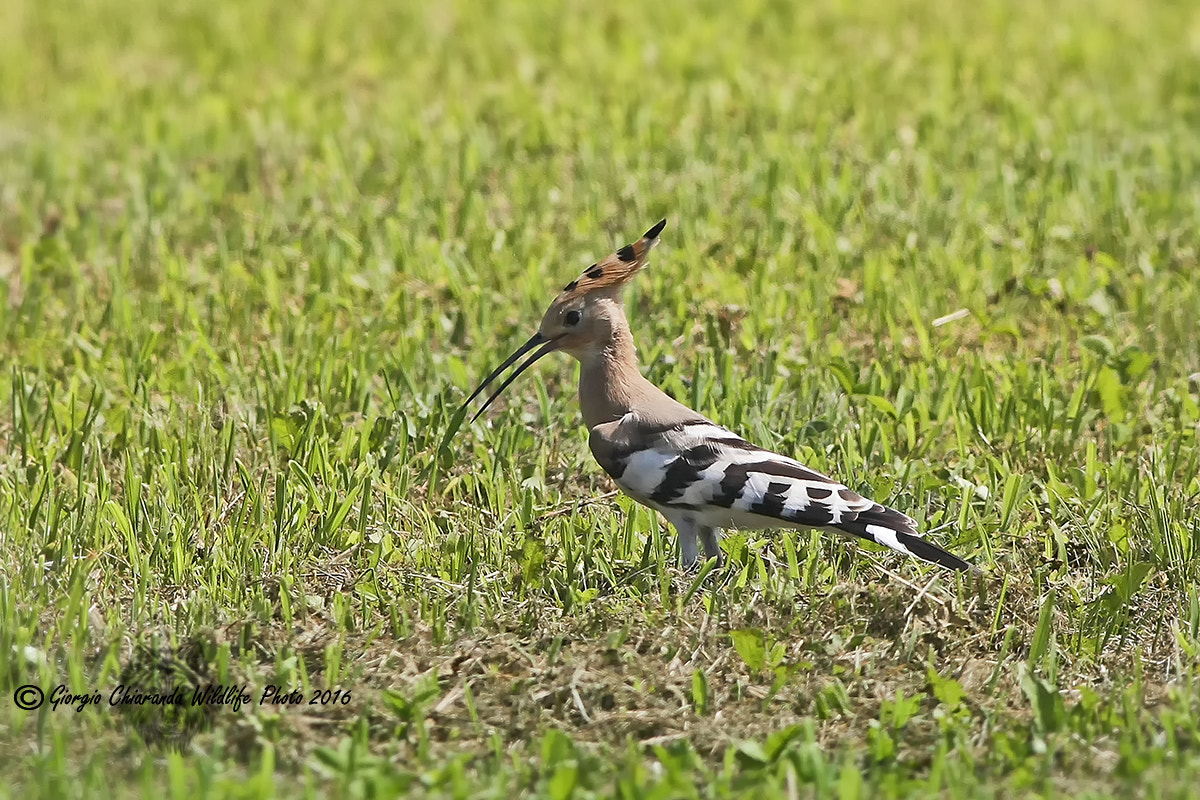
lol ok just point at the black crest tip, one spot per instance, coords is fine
(656, 230)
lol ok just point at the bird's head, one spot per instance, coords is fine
(581, 319)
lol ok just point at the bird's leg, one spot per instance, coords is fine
(693, 535)
(689, 545)
(710, 537)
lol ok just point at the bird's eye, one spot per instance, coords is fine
(571, 319)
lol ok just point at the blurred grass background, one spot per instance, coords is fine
(254, 254)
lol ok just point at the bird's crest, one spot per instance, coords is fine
(616, 270)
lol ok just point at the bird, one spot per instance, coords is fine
(700, 476)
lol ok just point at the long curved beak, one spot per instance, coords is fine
(548, 346)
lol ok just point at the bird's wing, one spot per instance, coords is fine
(724, 481)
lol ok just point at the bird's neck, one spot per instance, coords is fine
(610, 383)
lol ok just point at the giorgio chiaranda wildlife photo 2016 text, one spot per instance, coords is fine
(583, 400)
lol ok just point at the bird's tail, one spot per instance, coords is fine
(890, 528)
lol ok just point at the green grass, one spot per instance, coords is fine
(254, 254)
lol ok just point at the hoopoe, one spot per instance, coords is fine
(700, 476)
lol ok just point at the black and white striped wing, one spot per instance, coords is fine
(723, 481)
